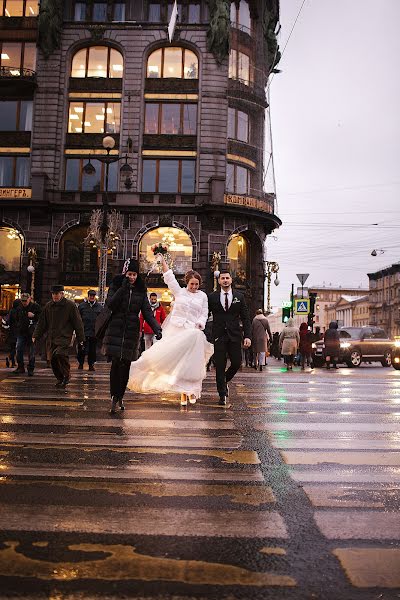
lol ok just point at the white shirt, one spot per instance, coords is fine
(190, 308)
(230, 297)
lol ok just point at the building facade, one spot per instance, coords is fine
(350, 311)
(385, 299)
(189, 122)
(327, 297)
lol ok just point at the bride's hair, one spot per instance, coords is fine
(193, 275)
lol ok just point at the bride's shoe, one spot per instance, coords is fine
(183, 400)
(192, 399)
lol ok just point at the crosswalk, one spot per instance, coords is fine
(293, 491)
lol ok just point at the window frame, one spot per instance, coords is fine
(160, 110)
(14, 158)
(248, 173)
(157, 174)
(21, 66)
(236, 22)
(3, 4)
(234, 67)
(105, 104)
(84, 160)
(90, 7)
(87, 52)
(165, 7)
(236, 125)
(18, 115)
(183, 51)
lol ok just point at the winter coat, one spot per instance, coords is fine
(190, 309)
(159, 315)
(23, 324)
(60, 320)
(10, 327)
(289, 339)
(259, 330)
(305, 339)
(121, 339)
(89, 312)
(332, 340)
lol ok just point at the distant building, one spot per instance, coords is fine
(349, 311)
(327, 297)
(384, 288)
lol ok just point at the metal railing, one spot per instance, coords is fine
(7, 72)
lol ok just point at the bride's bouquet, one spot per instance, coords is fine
(157, 249)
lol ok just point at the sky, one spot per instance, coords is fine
(335, 112)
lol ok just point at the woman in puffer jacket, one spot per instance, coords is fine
(289, 341)
(126, 298)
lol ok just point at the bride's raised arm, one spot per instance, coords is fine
(169, 277)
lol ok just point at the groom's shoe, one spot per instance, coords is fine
(222, 401)
(114, 402)
(121, 404)
(226, 389)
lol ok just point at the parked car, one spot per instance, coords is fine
(357, 345)
(396, 353)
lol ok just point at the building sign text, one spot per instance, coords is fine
(15, 193)
(257, 203)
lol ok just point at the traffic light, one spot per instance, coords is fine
(313, 298)
(286, 314)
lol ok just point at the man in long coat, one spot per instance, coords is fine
(60, 318)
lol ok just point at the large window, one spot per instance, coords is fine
(99, 11)
(240, 16)
(238, 259)
(19, 8)
(15, 56)
(10, 248)
(238, 125)
(168, 176)
(16, 115)
(94, 117)
(239, 67)
(179, 246)
(76, 254)
(171, 118)
(77, 180)
(237, 179)
(14, 171)
(173, 62)
(97, 61)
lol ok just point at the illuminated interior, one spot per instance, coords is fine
(173, 62)
(237, 256)
(94, 117)
(97, 61)
(179, 247)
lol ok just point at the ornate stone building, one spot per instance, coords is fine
(188, 117)
(384, 288)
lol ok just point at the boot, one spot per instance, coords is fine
(120, 402)
(114, 402)
(91, 368)
(260, 367)
(19, 369)
(7, 363)
(64, 383)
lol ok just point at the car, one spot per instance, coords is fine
(396, 353)
(358, 344)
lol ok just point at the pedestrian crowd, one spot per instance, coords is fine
(151, 352)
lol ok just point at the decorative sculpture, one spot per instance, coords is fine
(50, 26)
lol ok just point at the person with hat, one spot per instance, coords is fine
(60, 319)
(26, 316)
(89, 309)
(126, 298)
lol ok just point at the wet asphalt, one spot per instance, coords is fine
(292, 491)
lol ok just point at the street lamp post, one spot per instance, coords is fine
(104, 227)
(270, 267)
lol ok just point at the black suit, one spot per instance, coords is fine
(227, 335)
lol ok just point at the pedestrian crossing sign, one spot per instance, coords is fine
(301, 306)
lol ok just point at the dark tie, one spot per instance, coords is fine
(226, 302)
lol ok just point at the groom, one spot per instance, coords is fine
(228, 308)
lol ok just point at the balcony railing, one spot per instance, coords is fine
(16, 73)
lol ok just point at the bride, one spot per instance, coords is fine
(177, 363)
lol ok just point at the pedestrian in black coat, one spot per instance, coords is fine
(126, 298)
(229, 310)
(332, 345)
(89, 310)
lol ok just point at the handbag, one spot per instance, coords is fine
(102, 321)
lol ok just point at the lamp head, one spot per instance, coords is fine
(89, 169)
(108, 142)
(276, 280)
(374, 253)
(30, 269)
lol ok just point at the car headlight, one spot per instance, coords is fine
(397, 343)
(345, 344)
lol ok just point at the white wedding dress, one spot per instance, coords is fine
(176, 363)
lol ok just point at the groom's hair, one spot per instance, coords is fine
(224, 272)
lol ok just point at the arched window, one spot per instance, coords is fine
(179, 246)
(238, 259)
(178, 63)
(78, 256)
(10, 249)
(98, 61)
(240, 16)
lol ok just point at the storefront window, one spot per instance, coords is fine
(238, 259)
(10, 249)
(179, 246)
(76, 254)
